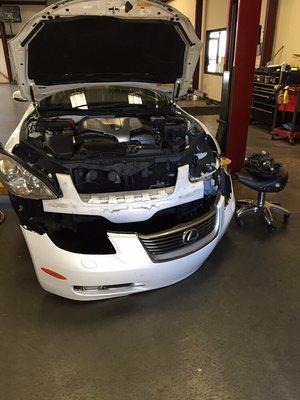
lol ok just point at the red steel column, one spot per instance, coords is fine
(242, 83)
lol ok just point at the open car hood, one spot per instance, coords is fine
(105, 42)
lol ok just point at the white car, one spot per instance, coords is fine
(117, 189)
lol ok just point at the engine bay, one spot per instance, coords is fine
(103, 136)
(111, 153)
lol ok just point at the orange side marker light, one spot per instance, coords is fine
(54, 274)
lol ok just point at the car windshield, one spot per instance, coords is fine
(90, 98)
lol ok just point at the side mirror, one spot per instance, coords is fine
(18, 97)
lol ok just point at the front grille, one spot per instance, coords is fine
(183, 239)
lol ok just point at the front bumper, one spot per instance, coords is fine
(129, 271)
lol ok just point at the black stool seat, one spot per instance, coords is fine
(275, 183)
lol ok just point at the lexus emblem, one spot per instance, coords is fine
(190, 236)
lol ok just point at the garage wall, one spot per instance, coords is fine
(186, 7)
(287, 31)
(263, 13)
(214, 16)
(3, 70)
(216, 12)
(26, 13)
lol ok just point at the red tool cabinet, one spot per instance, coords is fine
(286, 121)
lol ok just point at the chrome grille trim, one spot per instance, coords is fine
(169, 244)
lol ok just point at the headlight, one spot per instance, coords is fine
(21, 182)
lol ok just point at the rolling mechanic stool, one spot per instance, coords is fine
(276, 183)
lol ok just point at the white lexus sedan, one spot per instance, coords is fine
(117, 189)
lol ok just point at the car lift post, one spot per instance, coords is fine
(243, 30)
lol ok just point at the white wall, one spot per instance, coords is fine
(287, 31)
(263, 13)
(3, 70)
(186, 7)
(216, 13)
(214, 17)
(26, 13)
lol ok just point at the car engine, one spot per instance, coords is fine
(111, 154)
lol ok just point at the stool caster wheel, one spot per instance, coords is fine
(272, 228)
(286, 217)
(239, 221)
(292, 141)
(272, 137)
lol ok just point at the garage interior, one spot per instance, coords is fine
(230, 330)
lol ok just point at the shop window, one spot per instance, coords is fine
(215, 51)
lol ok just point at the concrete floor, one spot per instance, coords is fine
(229, 332)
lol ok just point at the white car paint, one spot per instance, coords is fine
(142, 10)
(15, 136)
(120, 207)
(131, 264)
